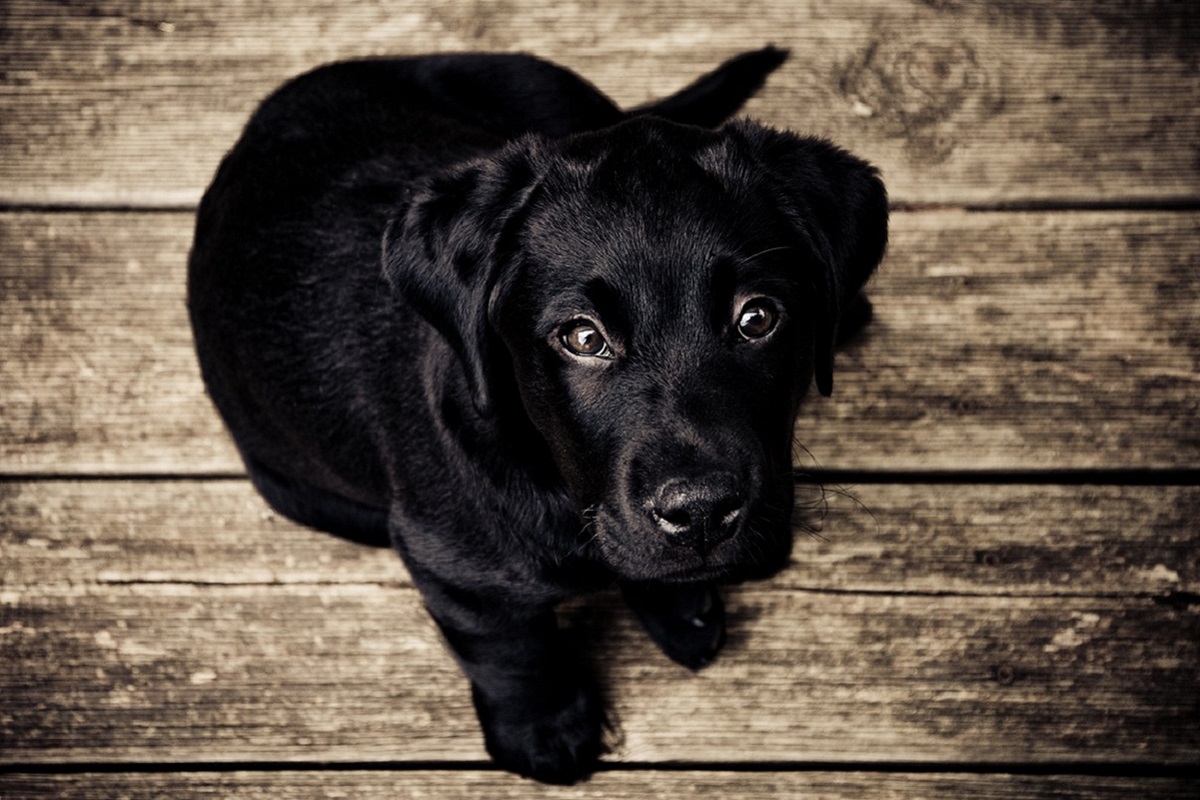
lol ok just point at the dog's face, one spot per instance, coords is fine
(663, 296)
(661, 342)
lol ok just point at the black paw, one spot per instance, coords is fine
(687, 623)
(555, 739)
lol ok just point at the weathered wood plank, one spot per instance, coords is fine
(1008, 341)
(356, 673)
(97, 369)
(206, 532)
(976, 540)
(959, 102)
(377, 785)
(1003, 341)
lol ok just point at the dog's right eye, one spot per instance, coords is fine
(583, 338)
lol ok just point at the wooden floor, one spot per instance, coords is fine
(997, 595)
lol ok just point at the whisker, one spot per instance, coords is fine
(806, 477)
(747, 259)
(812, 527)
(842, 491)
(799, 445)
(589, 521)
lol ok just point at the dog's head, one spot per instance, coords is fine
(663, 296)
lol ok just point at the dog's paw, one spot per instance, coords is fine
(551, 742)
(687, 623)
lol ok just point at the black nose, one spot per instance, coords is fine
(699, 512)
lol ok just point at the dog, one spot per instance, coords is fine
(466, 306)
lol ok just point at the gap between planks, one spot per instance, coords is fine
(368, 782)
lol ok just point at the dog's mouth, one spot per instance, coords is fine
(700, 574)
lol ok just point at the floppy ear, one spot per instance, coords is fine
(838, 205)
(445, 250)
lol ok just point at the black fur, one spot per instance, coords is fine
(385, 271)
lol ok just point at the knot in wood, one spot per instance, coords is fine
(921, 91)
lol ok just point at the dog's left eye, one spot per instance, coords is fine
(583, 338)
(757, 319)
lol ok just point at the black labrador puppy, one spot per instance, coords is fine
(466, 305)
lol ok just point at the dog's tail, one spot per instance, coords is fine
(717, 95)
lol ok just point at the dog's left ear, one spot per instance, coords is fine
(445, 250)
(838, 206)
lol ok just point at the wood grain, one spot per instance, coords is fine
(1010, 341)
(485, 785)
(162, 634)
(959, 102)
(97, 368)
(356, 673)
(1003, 341)
(1002, 541)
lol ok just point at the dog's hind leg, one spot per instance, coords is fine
(319, 509)
(717, 95)
(687, 622)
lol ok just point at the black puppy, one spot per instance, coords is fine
(467, 305)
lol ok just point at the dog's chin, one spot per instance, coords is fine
(637, 552)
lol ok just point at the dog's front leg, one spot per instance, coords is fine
(541, 717)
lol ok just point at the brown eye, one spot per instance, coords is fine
(583, 338)
(757, 319)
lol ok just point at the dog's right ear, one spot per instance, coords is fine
(446, 248)
(838, 206)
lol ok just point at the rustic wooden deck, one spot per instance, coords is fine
(1002, 601)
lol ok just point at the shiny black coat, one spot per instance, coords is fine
(466, 305)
